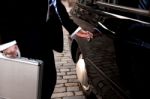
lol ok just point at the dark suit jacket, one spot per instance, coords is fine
(25, 21)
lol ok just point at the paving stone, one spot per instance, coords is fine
(71, 73)
(75, 97)
(60, 89)
(78, 93)
(61, 73)
(61, 81)
(73, 88)
(64, 70)
(58, 95)
(59, 85)
(71, 84)
(69, 77)
(59, 77)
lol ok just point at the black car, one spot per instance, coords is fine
(108, 65)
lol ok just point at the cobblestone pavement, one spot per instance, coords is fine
(67, 86)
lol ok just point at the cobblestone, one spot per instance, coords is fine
(62, 81)
(69, 77)
(77, 97)
(64, 94)
(71, 84)
(60, 89)
(73, 88)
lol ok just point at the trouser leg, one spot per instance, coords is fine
(49, 77)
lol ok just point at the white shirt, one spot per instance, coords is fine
(7, 45)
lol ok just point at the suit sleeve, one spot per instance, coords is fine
(6, 24)
(67, 22)
(6, 32)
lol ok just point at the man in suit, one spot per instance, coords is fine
(36, 25)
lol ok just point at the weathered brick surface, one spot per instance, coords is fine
(67, 86)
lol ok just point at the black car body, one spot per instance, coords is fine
(104, 63)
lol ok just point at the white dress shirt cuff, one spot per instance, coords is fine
(76, 31)
(7, 45)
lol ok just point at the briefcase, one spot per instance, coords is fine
(20, 78)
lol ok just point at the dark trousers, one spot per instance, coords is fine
(49, 71)
(32, 45)
(49, 76)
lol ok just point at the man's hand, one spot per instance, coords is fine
(85, 34)
(11, 52)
